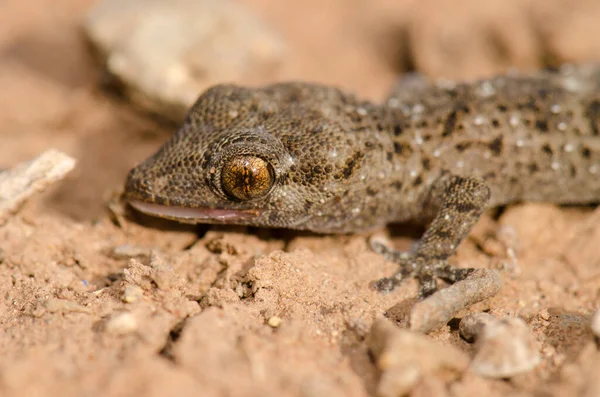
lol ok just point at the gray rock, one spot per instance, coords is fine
(405, 358)
(166, 52)
(505, 346)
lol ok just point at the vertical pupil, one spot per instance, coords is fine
(249, 174)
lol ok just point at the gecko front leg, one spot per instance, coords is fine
(458, 202)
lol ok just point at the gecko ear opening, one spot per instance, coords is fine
(247, 177)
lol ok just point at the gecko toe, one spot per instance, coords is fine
(400, 257)
(452, 274)
(386, 284)
(427, 285)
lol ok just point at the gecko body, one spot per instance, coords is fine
(312, 157)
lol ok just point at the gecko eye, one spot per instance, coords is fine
(247, 177)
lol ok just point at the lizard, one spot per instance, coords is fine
(312, 157)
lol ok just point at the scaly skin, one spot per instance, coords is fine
(307, 156)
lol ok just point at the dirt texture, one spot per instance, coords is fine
(100, 302)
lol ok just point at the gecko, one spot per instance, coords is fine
(312, 157)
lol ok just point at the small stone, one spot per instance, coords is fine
(131, 293)
(471, 325)
(274, 322)
(405, 357)
(596, 323)
(505, 346)
(121, 324)
(544, 314)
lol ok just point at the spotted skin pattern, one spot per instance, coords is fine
(332, 163)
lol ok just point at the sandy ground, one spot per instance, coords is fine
(152, 308)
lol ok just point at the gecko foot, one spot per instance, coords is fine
(425, 270)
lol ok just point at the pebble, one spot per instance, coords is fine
(121, 324)
(131, 293)
(505, 346)
(166, 52)
(439, 308)
(472, 325)
(274, 322)
(596, 323)
(405, 357)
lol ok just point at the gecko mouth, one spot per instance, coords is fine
(192, 215)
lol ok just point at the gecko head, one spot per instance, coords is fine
(202, 175)
(243, 156)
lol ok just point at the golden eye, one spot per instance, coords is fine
(247, 177)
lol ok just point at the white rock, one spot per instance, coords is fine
(121, 324)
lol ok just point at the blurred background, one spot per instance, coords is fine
(107, 81)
